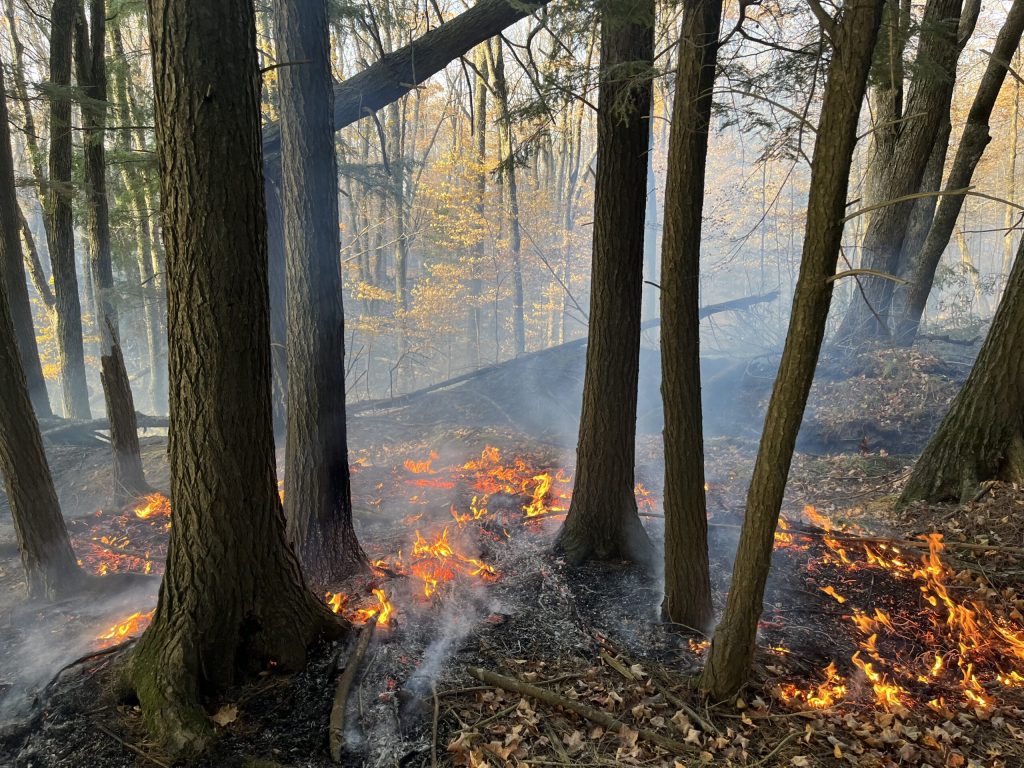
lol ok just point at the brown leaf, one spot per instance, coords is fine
(225, 715)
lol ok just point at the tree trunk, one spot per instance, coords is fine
(982, 436)
(144, 245)
(12, 270)
(233, 597)
(603, 522)
(687, 571)
(885, 96)
(318, 498)
(60, 229)
(50, 567)
(1010, 215)
(508, 176)
(651, 293)
(129, 479)
(732, 648)
(913, 298)
(868, 314)
(475, 313)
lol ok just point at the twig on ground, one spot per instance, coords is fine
(141, 753)
(336, 728)
(594, 715)
(433, 732)
(778, 747)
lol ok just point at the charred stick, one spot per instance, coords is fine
(336, 728)
(128, 745)
(594, 715)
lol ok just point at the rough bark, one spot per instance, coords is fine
(885, 96)
(318, 498)
(129, 478)
(687, 571)
(603, 522)
(233, 597)
(12, 270)
(912, 298)
(982, 436)
(60, 229)
(46, 554)
(732, 646)
(927, 106)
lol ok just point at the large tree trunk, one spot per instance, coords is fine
(687, 571)
(50, 567)
(233, 597)
(732, 647)
(982, 436)
(602, 521)
(60, 230)
(927, 106)
(318, 498)
(129, 479)
(912, 299)
(12, 270)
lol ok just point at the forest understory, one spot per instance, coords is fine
(880, 644)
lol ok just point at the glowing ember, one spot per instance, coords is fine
(827, 694)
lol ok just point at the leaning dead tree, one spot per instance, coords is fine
(853, 37)
(380, 84)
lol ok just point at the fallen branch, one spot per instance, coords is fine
(336, 729)
(128, 745)
(594, 715)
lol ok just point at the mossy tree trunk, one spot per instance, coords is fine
(982, 436)
(318, 497)
(687, 571)
(233, 597)
(603, 522)
(732, 647)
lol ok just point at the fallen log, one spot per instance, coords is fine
(336, 728)
(733, 305)
(69, 431)
(590, 713)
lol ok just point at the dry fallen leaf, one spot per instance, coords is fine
(226, 714)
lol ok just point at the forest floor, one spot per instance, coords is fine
(880, 645)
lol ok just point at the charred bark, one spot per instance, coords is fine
(982, 436)
(732, 648)
(318, 497)
(233, 597)
(12, 270)
(603, 522)
(687, 571)
(129, 478)
(60, 229)
(912, 299)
